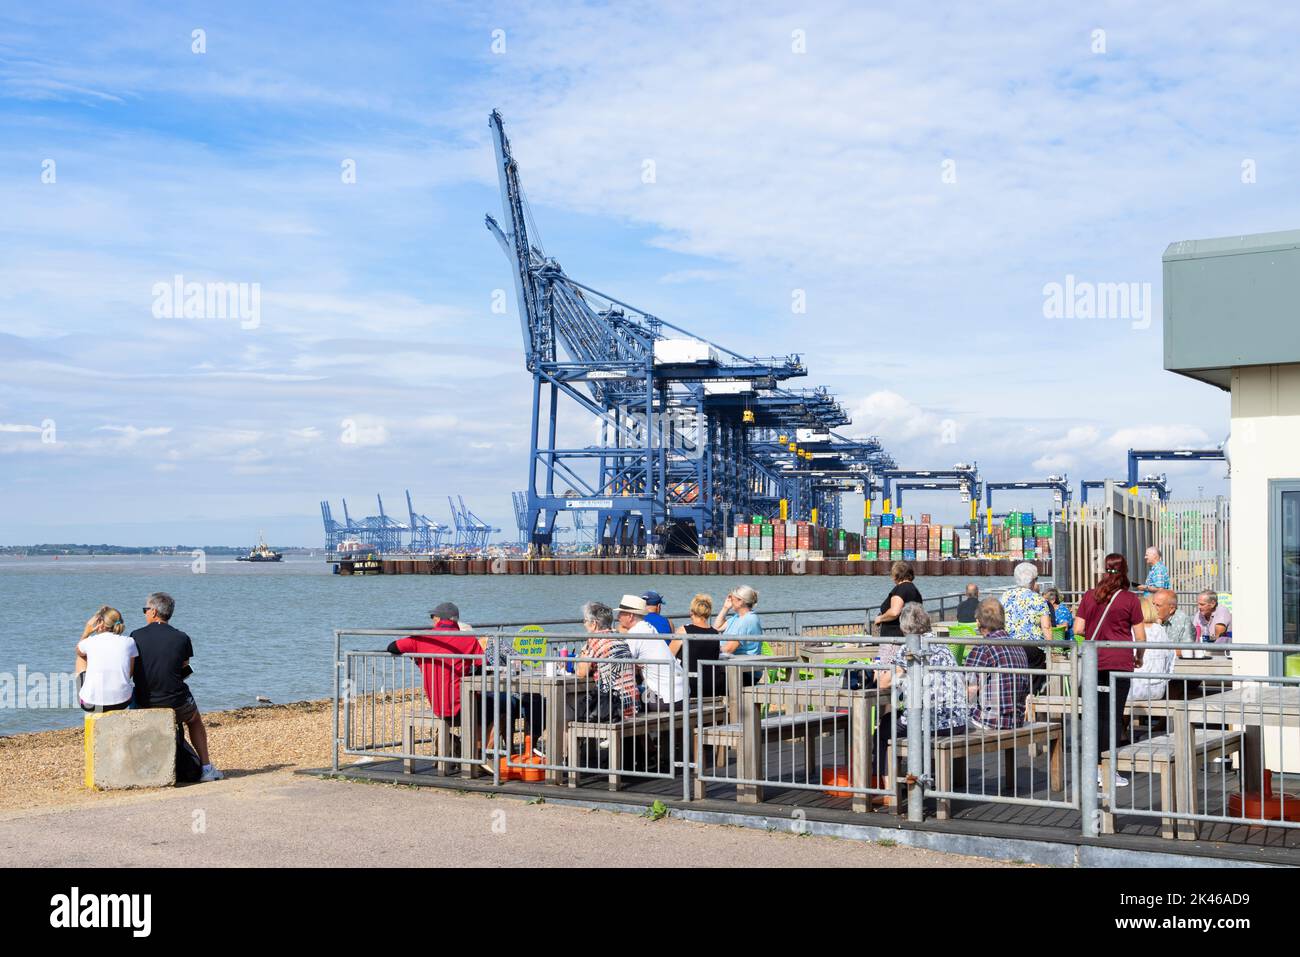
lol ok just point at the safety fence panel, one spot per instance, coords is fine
(1003, 727)
(1191, 748)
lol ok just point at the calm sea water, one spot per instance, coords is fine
(268, 629)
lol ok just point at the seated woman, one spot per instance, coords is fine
(945, 691)
(712, 679)
(1152, 661)
(106, 662)
(615, 695)
(744, 631)
(1060, 611)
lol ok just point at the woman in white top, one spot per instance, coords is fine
(106, 657)
(1152, 661)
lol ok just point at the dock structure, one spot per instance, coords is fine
(414, 564)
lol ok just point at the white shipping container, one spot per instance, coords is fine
(922, 555)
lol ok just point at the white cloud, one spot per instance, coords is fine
(894, 418)
(14, 427)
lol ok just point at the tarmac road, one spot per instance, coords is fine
(280, 819)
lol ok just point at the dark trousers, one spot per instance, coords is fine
(1109, 711)
(528, 706)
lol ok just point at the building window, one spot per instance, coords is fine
(1284, 562)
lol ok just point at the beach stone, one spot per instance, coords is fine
(131, 749)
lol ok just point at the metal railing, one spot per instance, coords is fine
(1200, 740)
(930, 720)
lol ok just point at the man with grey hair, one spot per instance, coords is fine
(1213, 622)
(161, 670)
(1158, 576)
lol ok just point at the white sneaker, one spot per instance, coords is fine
(1120, 781)
(210, 774)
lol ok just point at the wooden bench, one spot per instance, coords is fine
(1156, 756)
(650, 723)
(439, 731)
(807, 726)
(948, 751)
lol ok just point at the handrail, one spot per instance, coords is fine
(940, 599)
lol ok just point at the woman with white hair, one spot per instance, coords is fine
(1027, 616)
(945, 691)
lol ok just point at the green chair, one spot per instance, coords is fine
(1292, 666)
(962, 629)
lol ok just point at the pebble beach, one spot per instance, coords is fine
(44, 769)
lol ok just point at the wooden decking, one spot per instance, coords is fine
(970, 816)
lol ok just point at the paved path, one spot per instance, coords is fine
(281, 819)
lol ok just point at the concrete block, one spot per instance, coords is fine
(131, 749)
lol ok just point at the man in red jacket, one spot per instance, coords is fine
(442, 674)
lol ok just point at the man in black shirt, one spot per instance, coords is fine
(967, 607)
(161, 670)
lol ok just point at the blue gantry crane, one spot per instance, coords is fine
(1156, 483)
(472, 533)
(427, 535)
(1137, 456)
(1058, 485)
(688, 430)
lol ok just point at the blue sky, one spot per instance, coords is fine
(776, 171)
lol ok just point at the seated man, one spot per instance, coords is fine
(1213, 623)
(162, 665)
(460, 654)
(665, 681)
(967, 607)
(998, 699)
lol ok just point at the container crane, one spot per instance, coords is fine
(1058, 485)
(962, 478)
(1137, 456)
(1157, 483)
(426, 534)
(678, 415)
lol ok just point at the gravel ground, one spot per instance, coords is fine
(279, 819)
(45, 769)
(44, 809)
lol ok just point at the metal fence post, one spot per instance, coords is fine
(338, 666)
(688, 658)
(915, 731)
(1088, 806)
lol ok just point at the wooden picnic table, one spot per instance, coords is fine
(838, 653)
(557, 692)
(1272, 707)
(821, 694)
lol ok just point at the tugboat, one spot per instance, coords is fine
(262, 553)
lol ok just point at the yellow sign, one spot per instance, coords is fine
(530, 642)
